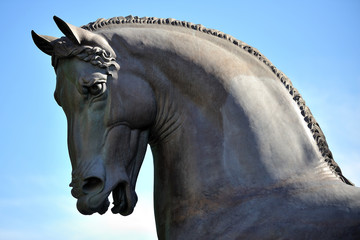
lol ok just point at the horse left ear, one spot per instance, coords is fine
(75, 34)
(44, 43)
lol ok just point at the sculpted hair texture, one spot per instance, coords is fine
(97, 56)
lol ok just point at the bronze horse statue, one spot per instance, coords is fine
(237, 153)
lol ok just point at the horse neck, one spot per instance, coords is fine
(221, 83)
(224, 121)
(244, 135)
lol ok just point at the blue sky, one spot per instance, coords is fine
(315, 43)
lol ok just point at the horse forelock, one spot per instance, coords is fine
(312, 124)
(64, 48)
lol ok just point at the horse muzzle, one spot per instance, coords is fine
(90, 185)
(92, 196)
(89, 194)
(114, 171)
(124, 201)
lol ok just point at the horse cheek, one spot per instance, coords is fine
(133, 102)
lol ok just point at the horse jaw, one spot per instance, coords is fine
(124, 194)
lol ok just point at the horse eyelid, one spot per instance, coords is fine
(93, 81)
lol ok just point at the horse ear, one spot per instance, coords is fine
(43, 42)
(75, 34)
(80, 36)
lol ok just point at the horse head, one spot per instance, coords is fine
(108, 123)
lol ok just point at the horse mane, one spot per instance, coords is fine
(314, 127)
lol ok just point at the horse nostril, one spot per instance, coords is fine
(92, 185)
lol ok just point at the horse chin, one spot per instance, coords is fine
(88, 204)
(124, 199)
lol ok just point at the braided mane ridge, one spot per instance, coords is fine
(314, 127)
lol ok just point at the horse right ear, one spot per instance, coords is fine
(44, 43)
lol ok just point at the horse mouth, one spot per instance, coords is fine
(124, 201)
(88, 205)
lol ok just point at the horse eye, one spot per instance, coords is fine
(97, 88)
